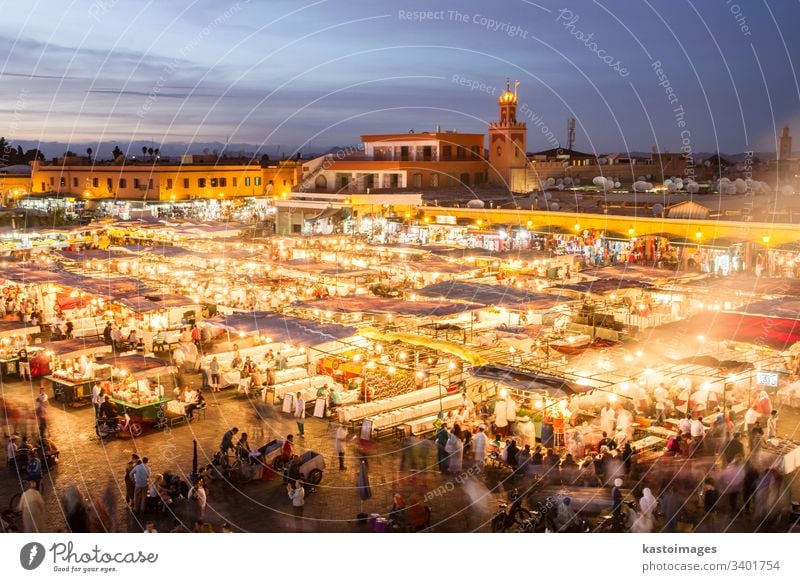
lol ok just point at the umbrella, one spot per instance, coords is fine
(364, 490)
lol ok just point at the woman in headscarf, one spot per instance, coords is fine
(647, 506)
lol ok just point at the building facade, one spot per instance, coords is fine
(164, 181)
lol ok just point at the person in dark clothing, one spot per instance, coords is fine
(442, 436)
(756, 436)
(616, 498)
(537, 457)
(511, 454)
(710, 502)
(107, 334)
(606, 441)
(671, 505)
(749, 484)
(734, 448)
(627, 456)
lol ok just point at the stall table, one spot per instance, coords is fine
(71, 391)
(9, 367)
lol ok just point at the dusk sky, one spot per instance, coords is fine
(295, 73)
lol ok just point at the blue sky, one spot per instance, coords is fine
(282, 74)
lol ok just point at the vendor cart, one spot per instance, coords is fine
(142, 415)
(71, 392)
(9, 367)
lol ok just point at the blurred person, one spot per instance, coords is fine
(300, 414)
(31, 506)
(340, 440)
(455, 449)
(645, 520)
(479, 446)
(671, 506)
(772, 425)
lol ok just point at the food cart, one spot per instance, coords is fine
(70, 366)
(138, 386)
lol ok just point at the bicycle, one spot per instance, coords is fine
(11, 517)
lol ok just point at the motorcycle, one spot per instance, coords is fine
(619, 522)
(511, 515)
(106, 427)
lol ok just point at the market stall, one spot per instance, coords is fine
(139, 386)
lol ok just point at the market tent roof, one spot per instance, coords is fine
(630, 272)
(281, 328)
(750, 285)
(322, 268)
(117, 288)
(12, 328)
(413, 339)
(34, 275)
(784, 307)
(771, 332)
(88, 255)
(439, 266)
(528, 381)
(327, 213)
(687, 209)
(603, 286)
(361, 304)
(145, 303)
(72, 348)
(140, 366)
(486, 294)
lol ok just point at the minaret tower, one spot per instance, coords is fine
(507, 142)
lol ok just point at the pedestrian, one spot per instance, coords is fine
(213, 369)
(227, 441)
(97, 398)
(756, 435)
(141, 482)
(300, 414)
(616, 498)
(645, 521)
(24, 364)
(339, 444)
(772, 425)
(455, 449)
(710, 497)
(202, 496)
(41, 407)
(34, 469)
(31, 505)
(479, 446)
(129, 480)
(442, 436)
(150, 527)
(671, 506)
(298, 496)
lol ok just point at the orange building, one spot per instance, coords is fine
(406, 161)
(164, 181)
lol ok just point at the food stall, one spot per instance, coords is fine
(71, 368)
(137, 387)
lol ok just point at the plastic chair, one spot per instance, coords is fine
(244, 386)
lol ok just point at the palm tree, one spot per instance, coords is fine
(89, 152)
(144, 151)
(158, 152)
(150, 151)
